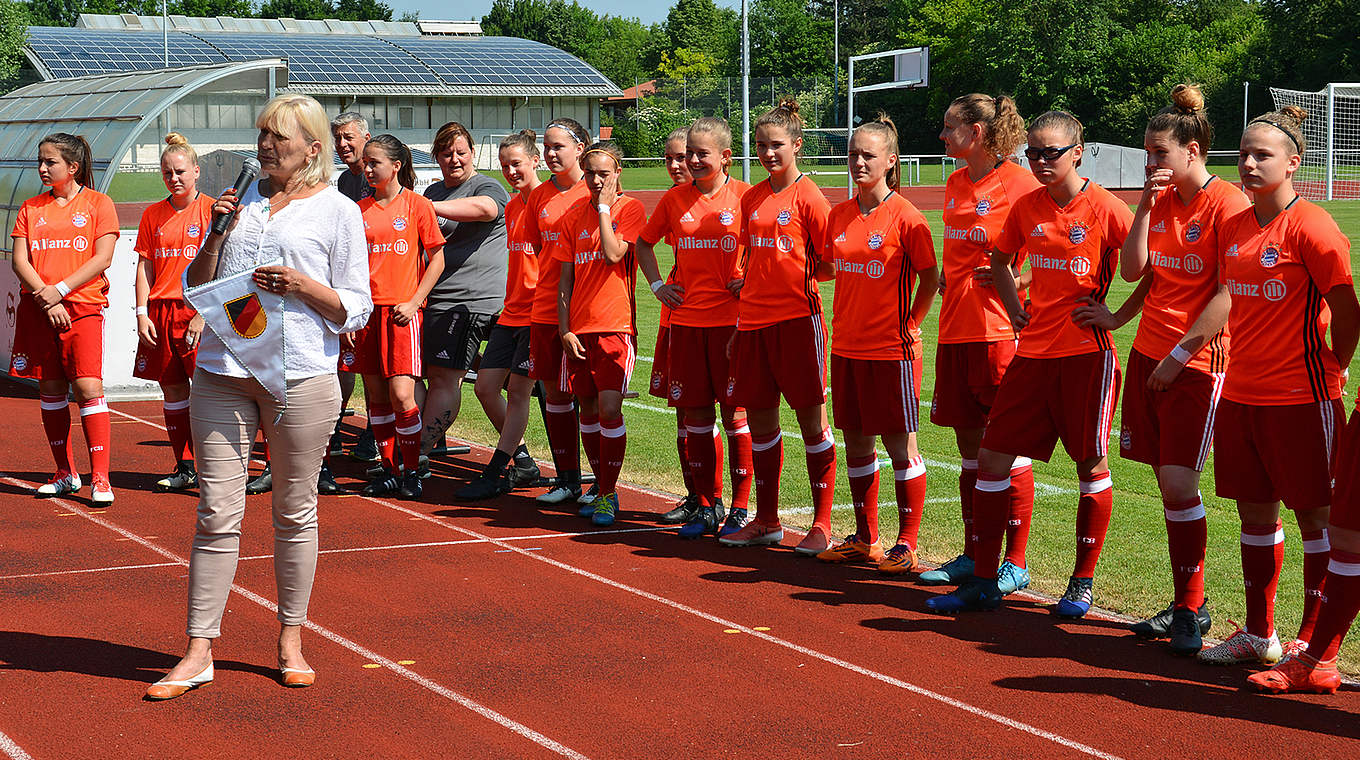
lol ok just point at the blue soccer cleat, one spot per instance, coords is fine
(606, 509)
(955, 571)
(1076, 601)
(975, 595)
(1010, 578)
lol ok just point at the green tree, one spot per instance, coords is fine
(613, 45)
(300, 9)
(210, 8)
(703, 26)
(685, 63)
(789, 38)
(13, 32)
(362, 10)
(1310, 44)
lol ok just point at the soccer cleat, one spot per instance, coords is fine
(61, 484)
(1185, 635)
(736, 520)
(411, 487)
(264, 483)
(956, 570)
(590, 496)
(484, 487)
(101, 493)
(524, 472)
(815, 542)
(853, 550)
(1292, 648)
(975, 595)
(587, 510)
(183, 477)
(899, 560)
(1159, 626)
(325, 481)
(754, 534)
(1242, 647)
(706, 520)
(423, 467)
(1076, 600)
(366, 448)
(606, 510)
(1010, 578)
(1299, 673)
(382, 485)
(336, 447)
(560, 493)
(685, 510)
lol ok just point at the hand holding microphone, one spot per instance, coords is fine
(224, 210)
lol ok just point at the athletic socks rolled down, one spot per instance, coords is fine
(821, 464)
(1262, 559)
(1187, 534)
(909, 479)
(767, 456)
(56, 420)
(1094, 507)
(94, 420)
(864, 493)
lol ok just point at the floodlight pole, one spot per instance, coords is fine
(836, 61)
(745, 95)
(165, 33)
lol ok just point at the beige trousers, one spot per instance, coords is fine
(225, 413)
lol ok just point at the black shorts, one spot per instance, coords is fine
(507, 348)
(452, 339)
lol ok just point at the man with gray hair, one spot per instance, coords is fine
(351, 134)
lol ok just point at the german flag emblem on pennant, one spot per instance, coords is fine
(247, 316)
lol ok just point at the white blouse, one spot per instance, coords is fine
(321, 236)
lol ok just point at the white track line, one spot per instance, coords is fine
(368, 654)
(13, 750)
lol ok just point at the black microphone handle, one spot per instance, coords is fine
(249, 171)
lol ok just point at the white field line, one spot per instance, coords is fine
(13, 750)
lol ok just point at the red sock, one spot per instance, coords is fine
(613, 444)
(767, 456)
(821, 464)
(177, 429)
(94, 420)
(703, 460)
(56, 420)
(991, 499)
(716, 486)
(739, 463)
(1094, 508)
(1262, 559)
(1339, 606)
(408, 438)
(1316, 553)
(559, 421)
(264, 446)
(1021, 511)
(682, 448)
(967, 483)
(910, 480)
(1187, 535)
(590, 442)
(384, 422)
(864, 494)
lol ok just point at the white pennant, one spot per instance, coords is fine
(249, 322)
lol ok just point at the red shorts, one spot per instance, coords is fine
(608, 365)
(661, 363)
(700, 367)
(383, 347)
(787, 357)
(966, 378)
(547, 362)
(876, 397)
(171, 360)
(1277, 453)
(1170, 427)
(1042, 401)
(1346, 492)
(42, 353)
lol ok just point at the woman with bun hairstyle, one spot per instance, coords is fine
(596, 316)
(701, 221)
(405, 260)
(780, 344)
(168, 239)
(1287, 268)
(1064, 380)
(63, 243)
(1175, 372)
(882, 249)
(976, 340)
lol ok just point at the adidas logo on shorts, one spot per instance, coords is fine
(442, 355)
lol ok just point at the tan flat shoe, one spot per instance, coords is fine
(163, 690)
(297, 679)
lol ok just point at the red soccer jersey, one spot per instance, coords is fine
(1183, 245)
(1278, 275)
(170, 239)
(877, 258)
(522, 276)
(1073, 250)
(602, 294)
(974, 213)
(398, 236)
(705, 234)
(547, 208)
(781, 231)
(61, 238)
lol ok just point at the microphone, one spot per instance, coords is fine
(249, 171)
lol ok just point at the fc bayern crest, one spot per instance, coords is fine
(1076, 234)
(726, 216)
(20, 363)
(141, 363)
(785, 216)
(731, 386)
(79, 220)
(347, 358)
(194, 230)
(1193, 232)
(676, 390)
(399, 224)
(656, 381)
(876, 241)
(984, 207)
(1270, 256)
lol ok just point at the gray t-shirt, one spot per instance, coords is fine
(353, 186)
(476, 259)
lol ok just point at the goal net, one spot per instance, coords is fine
(1331, 162)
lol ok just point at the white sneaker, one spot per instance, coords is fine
(101, 493)
(1242, 647)
(560, 494)
(590, 496)
(61, 484)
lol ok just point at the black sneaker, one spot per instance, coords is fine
(705, 521)
(1186, 639)
(484, 487)
(411, 487)
(1159, 626)
(184, 476)
(524, 472)
(382, 485)
(264, 483)
(685, 510)
(366, 448)
(325, 481)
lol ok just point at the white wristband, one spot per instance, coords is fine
(1182, 356)
(604, 208)
(657, 285)
(142, 312)
(63, 288)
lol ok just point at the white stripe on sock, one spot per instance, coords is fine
(1317, 545)
(993, 486)
(765, 446)
(1096, 486)
(1190, 514)
(914, 469)
(1349, 569)
(175, 406)
(1269, 539)
(863, 471)
(613, 432)
(561, 408)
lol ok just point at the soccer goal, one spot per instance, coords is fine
(1331, 163)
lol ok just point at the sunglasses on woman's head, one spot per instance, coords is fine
(1047, 154)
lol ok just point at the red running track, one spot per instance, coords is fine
(498, 630)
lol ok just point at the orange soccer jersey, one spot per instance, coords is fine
(61, 238)
(547, 209)
(398, 235)
(877, 257)
(705, 233)
(974, 213)
(1278, 275)
(1183, 245)
(1073, 250)
(602, 293)
(522, 276)
(170, 238)
(780, 231)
